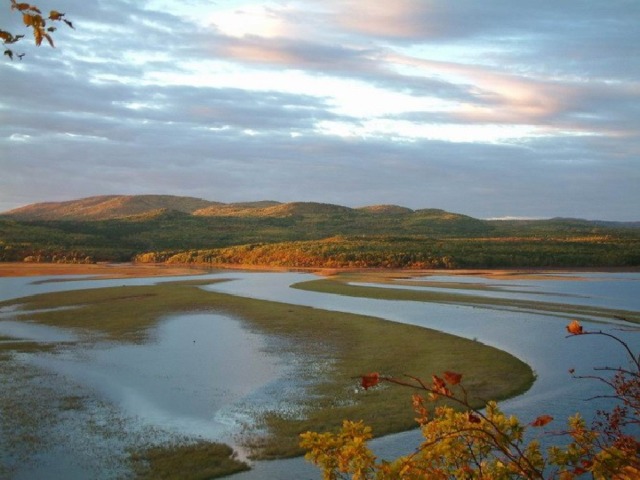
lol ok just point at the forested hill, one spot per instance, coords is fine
(187, 229)
(109, 207)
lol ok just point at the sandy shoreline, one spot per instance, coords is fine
(110, 270)
(124, 270)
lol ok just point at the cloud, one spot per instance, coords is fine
(485, 108)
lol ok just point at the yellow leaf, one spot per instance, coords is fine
(55, 15)
(37, 34)
(21, 6)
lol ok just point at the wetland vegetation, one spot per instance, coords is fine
(332, 350)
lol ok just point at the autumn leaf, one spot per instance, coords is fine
(370, 380)
(20, 6)
(574, 328)
(439, 387)
(452, 378)
(473, 418)
(541, 421)
(37, 34)
(49, 39)
(55, 15)
(27, 19)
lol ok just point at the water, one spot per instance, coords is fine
(189, 379)
(608, 290)
(179, 385)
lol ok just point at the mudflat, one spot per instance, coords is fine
(112, 270)
(122, 270)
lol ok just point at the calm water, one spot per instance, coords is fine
(187, 387)
(189, 379)
(609, 290)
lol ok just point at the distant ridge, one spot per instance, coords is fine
(305, 208)
(138, 207)
(240, 209)
(107, 207)
(386, 209)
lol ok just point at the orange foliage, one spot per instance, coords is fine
(574, 328)
(541, 421)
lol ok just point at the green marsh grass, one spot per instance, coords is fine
(199, 461)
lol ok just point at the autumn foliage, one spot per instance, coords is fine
(41, 25)
(460, 442)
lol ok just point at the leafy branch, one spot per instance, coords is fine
(33, 18)
(462, 442)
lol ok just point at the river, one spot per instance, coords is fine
(540, 340)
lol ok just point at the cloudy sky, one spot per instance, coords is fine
(492, 108)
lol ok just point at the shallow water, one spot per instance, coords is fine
(175, 384)
(619, 291)
(189, 379)
(33, 332)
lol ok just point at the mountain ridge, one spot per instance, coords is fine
(110, 207)
(187, 229)
(106, 207)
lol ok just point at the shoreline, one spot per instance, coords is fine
(128, 270)
(108, 270)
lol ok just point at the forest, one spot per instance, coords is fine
(309, 235)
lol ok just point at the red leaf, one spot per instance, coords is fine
(541, 421)
(473, 418)
(370, 380)
(452, 378)
(439, 386)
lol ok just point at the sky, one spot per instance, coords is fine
(492, 108)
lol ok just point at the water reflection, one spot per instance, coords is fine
(189, 379)
(33, 332)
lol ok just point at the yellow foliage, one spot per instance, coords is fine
(466, 443)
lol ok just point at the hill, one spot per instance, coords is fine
(107, 207)
(187, 229)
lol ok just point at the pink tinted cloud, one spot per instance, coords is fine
(500, 97)
(400, 18)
